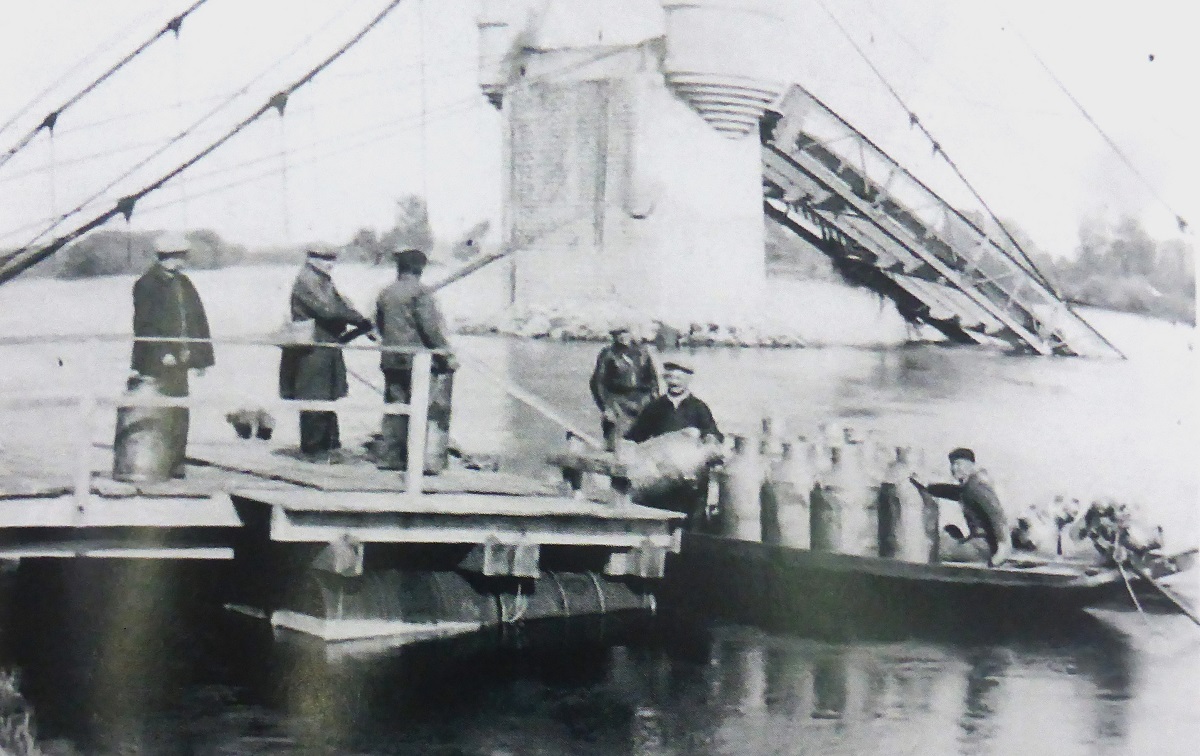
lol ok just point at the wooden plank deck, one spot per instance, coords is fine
(311, 502)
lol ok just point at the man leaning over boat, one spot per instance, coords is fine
(987, 539)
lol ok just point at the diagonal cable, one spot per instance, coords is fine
(24, 258)
(99, 194)
(48, 122)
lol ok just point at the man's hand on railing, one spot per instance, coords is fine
(169, 360)
(452, 363)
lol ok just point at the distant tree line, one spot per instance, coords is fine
(1121, 267)
(108, 252)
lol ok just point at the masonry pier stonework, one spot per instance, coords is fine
(633, 169)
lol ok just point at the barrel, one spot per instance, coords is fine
(740, 493)
(437, 433)
(790, 485)
(143, 451)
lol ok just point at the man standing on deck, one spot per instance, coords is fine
(988, 539)
(623, 383)
(674, 411)
(319, 372)
(166, 305)
(406, 315)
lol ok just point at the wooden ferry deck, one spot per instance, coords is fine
(44, 514)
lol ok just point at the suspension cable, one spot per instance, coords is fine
(99, 194)
(24, 258)
(1179, 220)
(48, 122)
(913, 120)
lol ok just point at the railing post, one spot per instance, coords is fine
(418, 420)
(83, 440)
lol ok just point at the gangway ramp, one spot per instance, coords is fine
(885, 229)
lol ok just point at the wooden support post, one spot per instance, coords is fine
(418, 419)
(83, 440)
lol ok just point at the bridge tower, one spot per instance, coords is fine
(633, 168)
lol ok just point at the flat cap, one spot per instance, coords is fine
(962, 453)
(679, 362)
(321, 251)
(411, 258)
(171, 243)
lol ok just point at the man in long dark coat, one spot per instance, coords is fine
(623, 382)
(166, 305)
(406, 315)
(319, 372)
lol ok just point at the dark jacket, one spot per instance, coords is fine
(980, 504)
(624, 378)
(661, 416)
(407, 315)
(318, 372)
(166, 304)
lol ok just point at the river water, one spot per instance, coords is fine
(1041, 426)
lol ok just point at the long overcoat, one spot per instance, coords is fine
(166, 304)
(317, 372)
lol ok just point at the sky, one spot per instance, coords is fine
(401, 113)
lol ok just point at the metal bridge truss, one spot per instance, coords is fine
(883, 228)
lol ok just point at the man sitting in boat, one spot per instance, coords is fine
(988, 538)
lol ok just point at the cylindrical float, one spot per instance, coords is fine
(740, 493)
(855, 496)
(143, 451)
(908, 517)
(570, 594)
(791, 484)
(825, 529)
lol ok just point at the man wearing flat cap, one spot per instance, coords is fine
(319, 372)
(675, 410)
(406, 315)
(623, 382)
(988, 538)
(166, 305)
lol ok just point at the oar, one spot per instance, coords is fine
(1164, 590)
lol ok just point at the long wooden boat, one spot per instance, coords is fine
(862, 596)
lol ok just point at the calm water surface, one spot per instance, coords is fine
(132, 684)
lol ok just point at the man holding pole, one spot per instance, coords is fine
(166, 305)
(408, 319)
(319, 372)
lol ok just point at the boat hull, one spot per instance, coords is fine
(843, 596)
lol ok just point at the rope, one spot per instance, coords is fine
(25, 258)
(48, 122)
(1179, 220)
(1030, 267)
